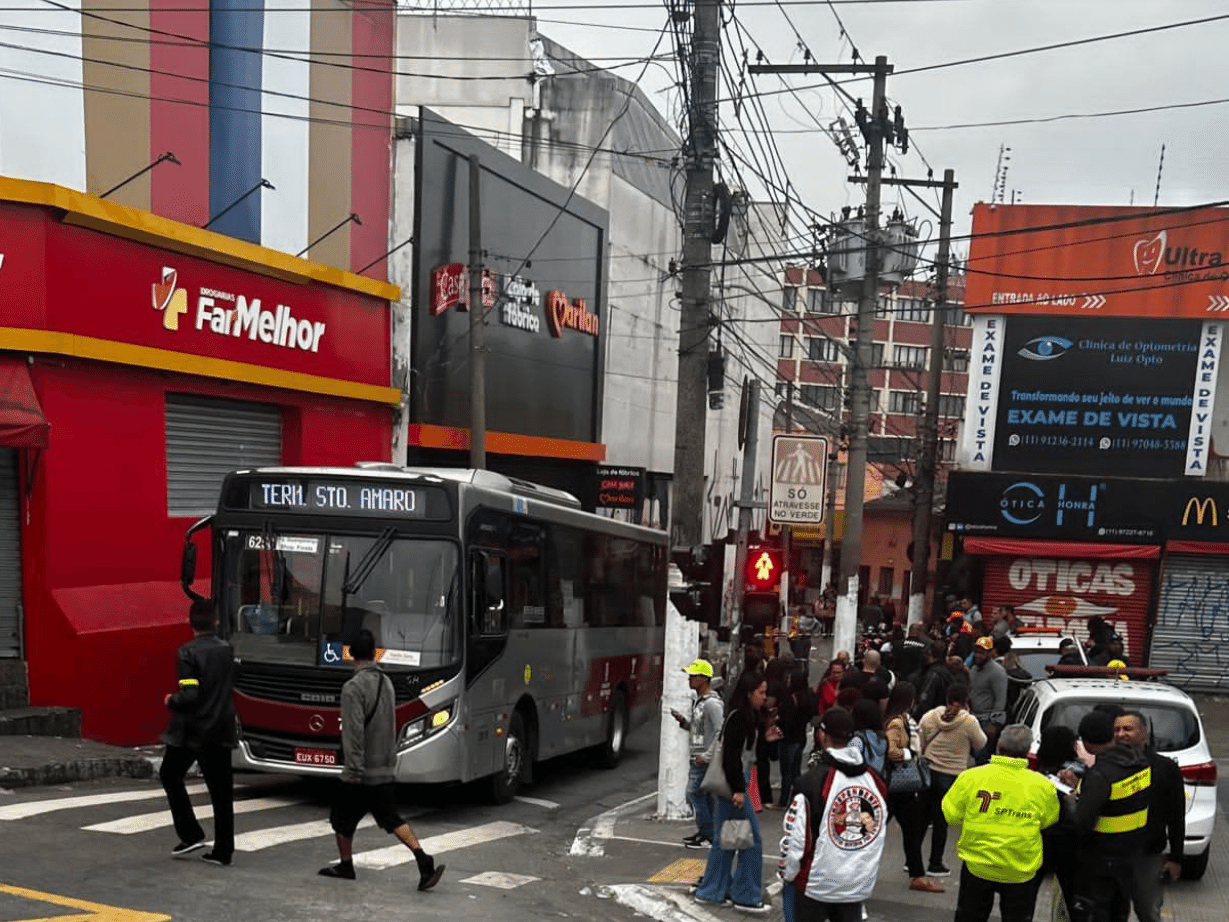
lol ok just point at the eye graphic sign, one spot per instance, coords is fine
(1097, 396)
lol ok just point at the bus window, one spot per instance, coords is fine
(490, 610)
(525, 577)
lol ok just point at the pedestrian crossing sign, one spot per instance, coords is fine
(799, 479)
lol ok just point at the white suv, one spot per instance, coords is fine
(1038, 649)
(1177, 732)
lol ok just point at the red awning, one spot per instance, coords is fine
(1016, 547)
(1219, 548)
(22, 423)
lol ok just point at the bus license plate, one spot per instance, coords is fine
(315, 756)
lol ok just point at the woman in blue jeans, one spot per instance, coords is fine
(724, 879)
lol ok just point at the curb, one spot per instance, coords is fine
(78, 770)
(590, 838)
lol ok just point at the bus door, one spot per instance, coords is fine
(486, 692)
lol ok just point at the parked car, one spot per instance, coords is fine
(1177, 732)
(1038, 649)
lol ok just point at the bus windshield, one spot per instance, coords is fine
(299, 597)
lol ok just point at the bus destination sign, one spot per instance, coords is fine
(347, 497)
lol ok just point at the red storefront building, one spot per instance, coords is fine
(140, 359)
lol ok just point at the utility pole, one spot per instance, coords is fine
(477, 317)
(834, 470)
(787, 575)
(924, 488)
(875, 128)
(746, 503)
(695, 314)
(845, 630)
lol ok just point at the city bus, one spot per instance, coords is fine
(514, 625)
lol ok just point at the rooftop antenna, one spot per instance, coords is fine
(1160, 167)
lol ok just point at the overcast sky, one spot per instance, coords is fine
(1077, 161)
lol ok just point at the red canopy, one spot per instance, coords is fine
(22, 423)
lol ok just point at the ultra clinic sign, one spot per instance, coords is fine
(1099, 261)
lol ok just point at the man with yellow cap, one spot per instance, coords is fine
(987, 695)
(707, 714)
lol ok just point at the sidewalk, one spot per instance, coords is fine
(27, 761)
(649, 871)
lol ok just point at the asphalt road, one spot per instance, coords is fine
(63, 858)
(117, 853)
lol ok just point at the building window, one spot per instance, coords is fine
(955, 359)
(820, 349)
(206, 439)
(876, 353)
(912, 309)
(882, 307)
(820, 396)
(951, 405)
(886, 577)
(786, 349)
(947, 450)
(909, 356)
(956, 317)
(904, 401)
(789, 299)
(818, 301)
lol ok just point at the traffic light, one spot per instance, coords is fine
(763, 569)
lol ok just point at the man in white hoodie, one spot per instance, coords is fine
(834, 830)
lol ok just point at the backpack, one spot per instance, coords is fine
(874, 749)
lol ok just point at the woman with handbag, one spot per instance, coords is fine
(741, 883)
(949, 735)
(905, 801)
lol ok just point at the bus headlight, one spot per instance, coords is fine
(432, 722)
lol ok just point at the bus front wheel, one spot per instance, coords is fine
(507, 781)
(616, 731)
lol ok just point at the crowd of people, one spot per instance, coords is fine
(917, 730)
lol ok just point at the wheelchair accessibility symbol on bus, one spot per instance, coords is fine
(331, 652)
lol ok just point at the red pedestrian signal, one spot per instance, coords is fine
(763, 569)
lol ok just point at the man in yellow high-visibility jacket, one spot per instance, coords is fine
(1002, 807)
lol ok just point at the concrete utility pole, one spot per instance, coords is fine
(787, 575)
(874, 129)
(695, 315)
(845, 630)
(834, 470)
(746, 504)
(924, 487)
(477, 330)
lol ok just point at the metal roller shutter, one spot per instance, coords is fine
(207, 439)
(10, 557)
(1062, 593)
(1191, 635)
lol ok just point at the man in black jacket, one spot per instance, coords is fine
(1166, 823)
(935, 681)
(202, 730)
(1111, 815)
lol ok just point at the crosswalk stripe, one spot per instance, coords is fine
(296, 832)
(393, 855)
(145, 822)
(281, 835)
(38, 807)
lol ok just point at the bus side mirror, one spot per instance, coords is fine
(187, 563)
(187, 566)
